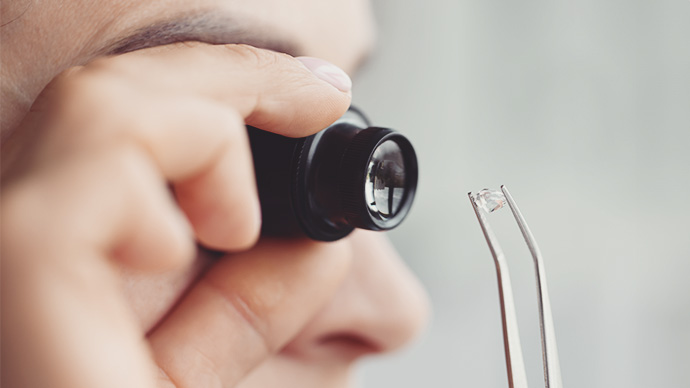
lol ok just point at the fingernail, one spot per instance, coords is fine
(328, 72)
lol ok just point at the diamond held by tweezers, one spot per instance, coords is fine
(490, 200)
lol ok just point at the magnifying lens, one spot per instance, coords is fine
(349, 175)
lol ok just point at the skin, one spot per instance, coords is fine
(102, 284)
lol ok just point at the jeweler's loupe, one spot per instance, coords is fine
(349, 175)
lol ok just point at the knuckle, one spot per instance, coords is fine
(235, 132)
(121, 66)
(99, 86)
(181, 250)
(91, 86)
(84, 99)
(227, 126)
(147, 195)
(133, 167)
(254, 57)
(251, 310)
(18, 206)
(80, 80)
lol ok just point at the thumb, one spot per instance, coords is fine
(246, 308)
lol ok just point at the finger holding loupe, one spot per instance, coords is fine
(349, 175)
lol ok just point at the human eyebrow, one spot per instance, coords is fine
(206, 28)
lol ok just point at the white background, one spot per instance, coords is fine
(582, 108)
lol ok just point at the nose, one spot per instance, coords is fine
(380, 307)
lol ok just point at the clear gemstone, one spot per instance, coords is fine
(490, 200)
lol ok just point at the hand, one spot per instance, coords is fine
(85, 191)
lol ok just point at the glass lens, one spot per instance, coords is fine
(385, 184)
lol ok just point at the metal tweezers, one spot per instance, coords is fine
(511, 338)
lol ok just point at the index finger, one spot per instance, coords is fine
(275, 92)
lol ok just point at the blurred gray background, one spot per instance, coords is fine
(582, 108)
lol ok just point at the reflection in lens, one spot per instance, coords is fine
(385, 184)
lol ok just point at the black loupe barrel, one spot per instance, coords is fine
(347, 176)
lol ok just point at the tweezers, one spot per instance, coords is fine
(515, 366)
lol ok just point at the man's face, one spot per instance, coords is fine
(380, 306)
(75, 32)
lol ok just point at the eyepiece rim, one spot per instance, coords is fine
(353, 174)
